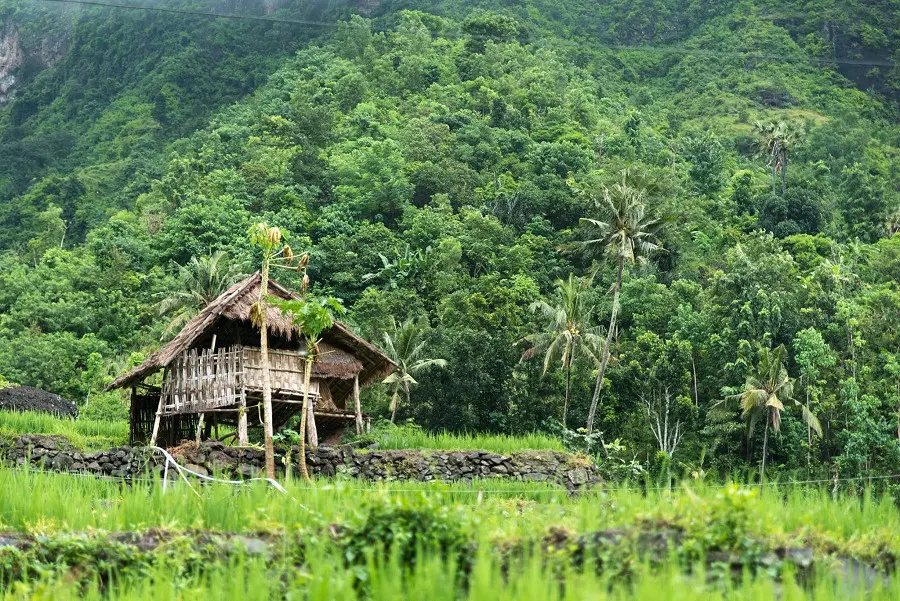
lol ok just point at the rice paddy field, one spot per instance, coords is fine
(92, 435)
(69, 536)
(85, 434)
(482, 540)
(408, 438)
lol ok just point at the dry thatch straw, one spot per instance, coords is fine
(343, 354)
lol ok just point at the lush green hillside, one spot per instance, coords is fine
(435, 165)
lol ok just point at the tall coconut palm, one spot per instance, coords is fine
(200, 282)
(624, 233)
(405, 345)
(776, 141)
(765, 394)
(568, 331)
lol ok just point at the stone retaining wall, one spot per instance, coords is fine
(57, 454)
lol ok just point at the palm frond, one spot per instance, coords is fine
(811, 420)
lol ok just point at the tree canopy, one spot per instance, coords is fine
(432, 159)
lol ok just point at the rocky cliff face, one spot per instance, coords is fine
(11, 58)
(23, 52)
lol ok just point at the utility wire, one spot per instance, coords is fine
(184, 11)
(555, 42)
(377, 489)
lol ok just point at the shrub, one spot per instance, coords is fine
(406, 527)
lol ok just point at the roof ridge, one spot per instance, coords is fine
(208, 315)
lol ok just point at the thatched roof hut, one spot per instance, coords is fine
(212, 365)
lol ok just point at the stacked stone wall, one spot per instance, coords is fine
(54, 453)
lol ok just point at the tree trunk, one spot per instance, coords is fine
(408, 393)
(808, 434)
(784, 162)
(774, 175)
(762, 471)
(307, 373)
(568, 386)
(266, 375)
(394, 408)
(694, 369)
(598, 385)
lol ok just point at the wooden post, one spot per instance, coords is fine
(242, 415)
(200, 426)
(132, 418)
(311, 427)
(356, 405)
(159, 410)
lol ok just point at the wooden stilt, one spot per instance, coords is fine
(132, 416)
(356, 406)
(313, 434)
(159, 410)
(242, 412)
(242, 421)
(200, 426)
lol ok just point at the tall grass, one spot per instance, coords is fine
(498, 509)
(434, 579)
(415, 438)
(83, 433)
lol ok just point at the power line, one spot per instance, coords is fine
(184, 11)
(554, 42)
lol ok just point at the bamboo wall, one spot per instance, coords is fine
(200, 380)
(285, 371)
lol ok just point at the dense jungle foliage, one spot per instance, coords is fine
(437, 159)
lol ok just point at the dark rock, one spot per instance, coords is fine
(197, 469)
(26, 398)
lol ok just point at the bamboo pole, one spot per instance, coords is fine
(159, 410)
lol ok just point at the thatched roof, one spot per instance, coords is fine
(343, 353)
(336, 363)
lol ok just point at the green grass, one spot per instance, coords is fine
(501, 513)
(84, 434)
(496, 510)
(415, 438)
(434, 579)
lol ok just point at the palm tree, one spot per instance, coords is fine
(764, 396)
(200, 282)
(776, 140)
(568, 331)
(624, 232)
(405, 345)
(892, 224)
